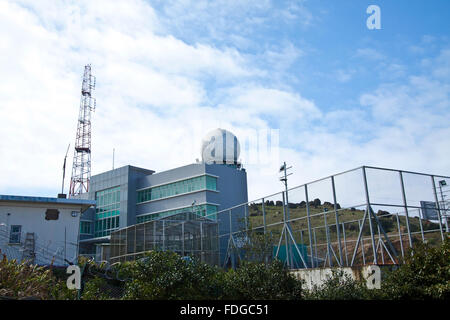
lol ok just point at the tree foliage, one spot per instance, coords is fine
(164, 275)
(257, 281)
(23, 280)
(425, 274)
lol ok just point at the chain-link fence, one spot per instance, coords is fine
(184, 233)
(362, 216)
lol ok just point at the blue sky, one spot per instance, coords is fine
(338, 94)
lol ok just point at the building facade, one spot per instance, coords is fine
(41, 230)
(129, 195)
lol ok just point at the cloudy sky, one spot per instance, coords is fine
(310, 74)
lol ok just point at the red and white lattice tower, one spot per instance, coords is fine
(81, 168)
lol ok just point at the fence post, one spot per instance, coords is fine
(315, 245)
(144, 226)
(264, 215)
(337, 221)
(405, 205)
(163, 235)
(328, 237)
(381, 246)
(400, 237)
(182, 238)
(362, 244)
(154, 234)
(345, 244)
(201, 242)
(438, 208)
(421, 226)
(309, 227)
(370, 216)
(288, 251)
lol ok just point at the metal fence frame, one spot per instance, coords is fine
(380, 244)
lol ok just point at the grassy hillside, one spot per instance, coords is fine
(297, 212)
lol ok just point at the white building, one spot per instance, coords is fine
(41, 230)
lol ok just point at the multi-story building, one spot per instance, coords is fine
(129, 195)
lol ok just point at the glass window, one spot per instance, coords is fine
(14, 236)
(179, 187)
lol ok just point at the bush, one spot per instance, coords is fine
(22, 280)
(425, 274)
(164, 275)
(256, 281)
(98, 288)
(339, 286)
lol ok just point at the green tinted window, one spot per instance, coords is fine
(180, 187)
(207, 210)
(107, 211)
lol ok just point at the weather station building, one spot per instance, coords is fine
(137, 207)
(41, 230)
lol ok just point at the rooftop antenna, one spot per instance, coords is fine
(62, 194)
(64, 170)
(113, 158)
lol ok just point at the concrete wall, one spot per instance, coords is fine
(371, 274)
(52, 235)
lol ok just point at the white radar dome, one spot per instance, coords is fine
(220, 146)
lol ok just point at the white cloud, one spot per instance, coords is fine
(158, 95)
(369, 53)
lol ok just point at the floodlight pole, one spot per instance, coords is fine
(284, 169)
(438, 207)
(441, 183)
(284, 179)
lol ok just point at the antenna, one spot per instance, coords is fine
(81, 168)
(64, 170)
(113, 158)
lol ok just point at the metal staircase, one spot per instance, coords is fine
(29, 248)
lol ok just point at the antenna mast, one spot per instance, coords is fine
(81, 168)
(64, 170)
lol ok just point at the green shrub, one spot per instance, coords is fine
(102, 283)
(164, 275)
(98, 288)
(23, 280)
(256, 281)
(425, 274)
